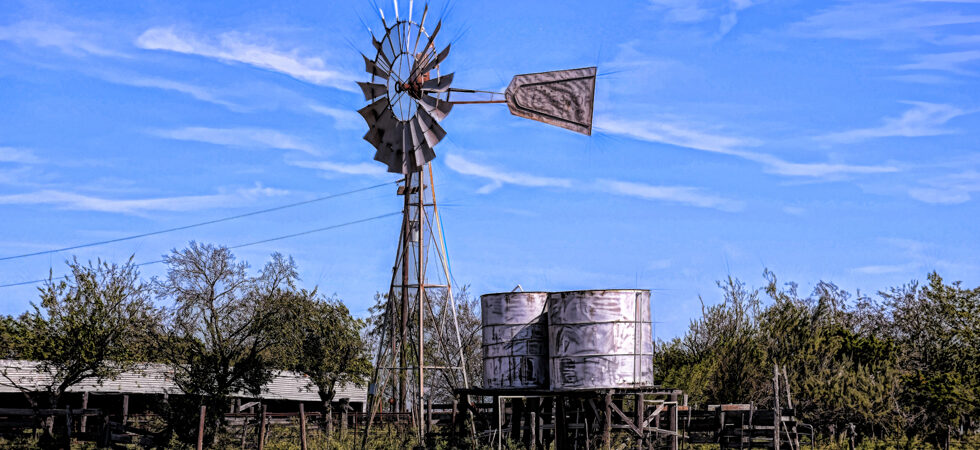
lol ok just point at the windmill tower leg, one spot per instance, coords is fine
(406, 335)
(407, 229)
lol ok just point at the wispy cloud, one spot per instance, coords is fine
(240, 137)
(678, 194)
(725, 12)
(344, 119)
(887, 269)
(948, 189)
(919, 257)
(197, 92)
(863, 20)
(923, 119)
(952, 62)
(499, 177)
(43, 34)
(18, 155)
(922, 78)
(344, 168)
(76, 201)
(685, 136)
(241, 48)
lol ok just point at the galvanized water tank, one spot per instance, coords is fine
(515, 352)
(600, 339)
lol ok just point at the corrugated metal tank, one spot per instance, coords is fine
(515, 351)
(600, 339)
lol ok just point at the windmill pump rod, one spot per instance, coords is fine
(474, 102)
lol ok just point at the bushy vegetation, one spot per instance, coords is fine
(901, 367)
(220, 329)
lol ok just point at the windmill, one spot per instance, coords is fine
(408, 97)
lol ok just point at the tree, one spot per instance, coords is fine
(444, 350)
(324, 342)
(218, 332)
(90, 325)
(720, 359)
(938, 331)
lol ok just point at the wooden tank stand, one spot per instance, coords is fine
(585, 419)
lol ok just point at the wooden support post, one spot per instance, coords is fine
(428, 414)
(777, 413)
(607, 421)
(640, 406)
(527, 427)
(516, 413)
(561, 431)
(498, 410)
(452, 424)
(673, 421)
(200, 428)
(125, 409)
(244, 429)
(795, 438)
(83, 422)
(302, 427)
(262, 427)
(532, 426)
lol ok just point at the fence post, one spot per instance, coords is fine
(302, 427)
(200, 429)
(262, 428)
(67, 442)
(84, 420)
(777, 413)
(672, 420)
(344, 407)
(428, 414)
(125, 410)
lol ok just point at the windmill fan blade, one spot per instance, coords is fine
(372, 112)
(373, 68)
(440, 84)
(435, 107)
(432, 37)
(431, 129)
(393, 135)
(562, 98)
(372, 90)
(411, 148)
(422, 149)
(385, 123)
(435, 62)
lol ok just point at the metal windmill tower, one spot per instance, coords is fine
(409, 97)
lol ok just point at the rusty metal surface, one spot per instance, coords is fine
(600, 339)
(515, 332)
(563, 98)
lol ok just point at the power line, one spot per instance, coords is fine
(263, 241)
(199, 224)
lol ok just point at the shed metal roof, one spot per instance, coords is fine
(158, 379)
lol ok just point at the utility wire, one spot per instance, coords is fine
(278, 238)
(199, 224)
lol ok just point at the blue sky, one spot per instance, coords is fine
(831, 141)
